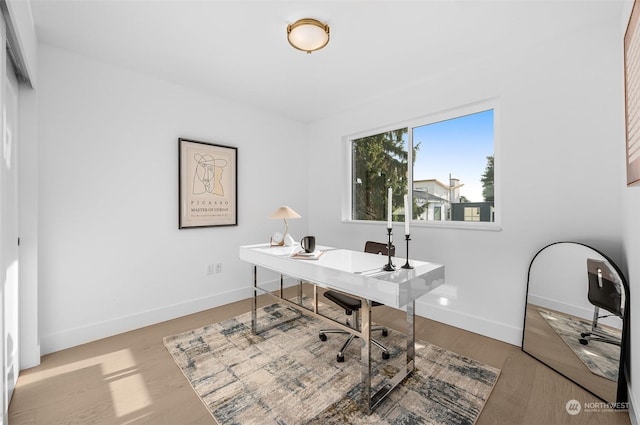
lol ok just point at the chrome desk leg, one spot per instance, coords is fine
(272, 293)
(300, 292)
(390, 384)
(365, 355)
(315, 299)
(411, 336)
(254, 302)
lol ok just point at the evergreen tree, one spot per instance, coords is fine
(487, 181)
(379, 162)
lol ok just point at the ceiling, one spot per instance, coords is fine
(238, 50)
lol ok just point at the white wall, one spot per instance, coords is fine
(111, 255)
(558, 164)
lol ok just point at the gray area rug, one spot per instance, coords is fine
(599, 357)
(288, 376)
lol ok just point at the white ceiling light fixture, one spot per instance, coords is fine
(308, 34)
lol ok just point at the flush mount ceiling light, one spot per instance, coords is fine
(308, 34)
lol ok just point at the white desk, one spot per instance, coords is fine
(358, 274)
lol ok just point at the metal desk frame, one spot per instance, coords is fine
(370, 398)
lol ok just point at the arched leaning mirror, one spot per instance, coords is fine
(576, 317)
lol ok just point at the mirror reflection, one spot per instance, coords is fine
(575, 317)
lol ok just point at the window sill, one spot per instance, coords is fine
(458, 225)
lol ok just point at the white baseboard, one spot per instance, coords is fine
(479, 325)
(29, 356)
(94, 331)
(578, 311)
(561, 306)
(632, 411)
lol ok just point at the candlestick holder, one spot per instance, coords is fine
(389, 267)
(407, 265)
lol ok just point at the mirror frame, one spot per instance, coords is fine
(621, 392)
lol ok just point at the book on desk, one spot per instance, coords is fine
(303, 255)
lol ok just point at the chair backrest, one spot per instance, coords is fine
(605, 291)
(379, 248)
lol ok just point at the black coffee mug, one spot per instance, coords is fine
(308, 243)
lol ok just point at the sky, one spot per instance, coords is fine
(459, 147)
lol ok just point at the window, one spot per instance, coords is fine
(452, 170)
(378, 162)
(471, 214)
(453, 167)
(437, 213)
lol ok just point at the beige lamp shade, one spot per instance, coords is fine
(284, 213)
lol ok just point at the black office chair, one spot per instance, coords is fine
(351, 304)
(605, 292)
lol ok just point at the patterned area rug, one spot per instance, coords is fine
(288, 376)
(600, 357)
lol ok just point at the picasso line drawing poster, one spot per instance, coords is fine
(208, 175)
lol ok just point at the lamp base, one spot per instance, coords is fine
(288, 240)
(276, 239)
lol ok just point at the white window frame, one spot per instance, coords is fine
(452, 113)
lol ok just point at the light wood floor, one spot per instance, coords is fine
(131, 379)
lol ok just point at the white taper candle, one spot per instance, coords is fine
(389, 209)
(407, 215)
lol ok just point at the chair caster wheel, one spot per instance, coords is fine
(385, 355)
(323, 337)
(584, 334)
(385, 332)
(340, 358)
(583, 341)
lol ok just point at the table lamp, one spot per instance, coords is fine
(284, 213)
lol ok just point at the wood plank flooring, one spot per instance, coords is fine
(131, 379)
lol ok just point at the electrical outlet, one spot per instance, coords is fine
(218, 268)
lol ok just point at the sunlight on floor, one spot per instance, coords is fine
(128, 390)
(129, 394)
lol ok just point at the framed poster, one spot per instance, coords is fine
(208, 184)
(632, 94)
